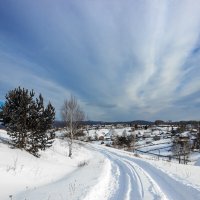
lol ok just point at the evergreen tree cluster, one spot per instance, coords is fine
(124, 141)
(27, 121)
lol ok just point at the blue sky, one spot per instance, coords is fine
(122, 60)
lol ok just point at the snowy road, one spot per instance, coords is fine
(109, 174)
(138, 179)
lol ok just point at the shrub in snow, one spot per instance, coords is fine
(27, 120)
(125, 140)
(137, 155)
(82, 163)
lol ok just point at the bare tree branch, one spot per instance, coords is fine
(73, 116)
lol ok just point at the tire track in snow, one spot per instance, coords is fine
(129, 188)
(136, 182)
(130, 181)
(125, 179)
(137, 177)
(161, 184)
(153, 188)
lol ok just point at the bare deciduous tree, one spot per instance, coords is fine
(73, 116)
(181, 149)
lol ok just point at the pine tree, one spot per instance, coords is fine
(1, 114)
(16, 114)
(27, 121)
(46, 118)
(33, 140)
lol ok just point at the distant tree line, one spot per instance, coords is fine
(29, 123)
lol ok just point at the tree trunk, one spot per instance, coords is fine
(71, 138)
(70, 149)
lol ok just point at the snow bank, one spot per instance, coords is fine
(102, 190)
(187, 174)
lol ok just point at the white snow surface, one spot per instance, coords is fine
(54, 175)
(150, 179)
(94, 172)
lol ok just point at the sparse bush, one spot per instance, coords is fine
(125, 140)
(80, 133)
(82, 163)
(137, 155)
(187, 173)
(72, 188)
(12, 167)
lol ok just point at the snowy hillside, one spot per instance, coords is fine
(53, 175)
(94, 172)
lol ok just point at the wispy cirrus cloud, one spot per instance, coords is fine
(123, 60)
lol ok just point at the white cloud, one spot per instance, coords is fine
(134, 55)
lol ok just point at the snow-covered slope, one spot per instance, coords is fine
(53, 175)
(94, 172)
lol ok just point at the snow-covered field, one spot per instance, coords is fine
(94, 172)
(146, 144)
